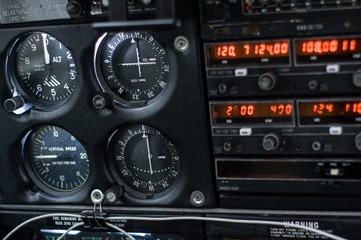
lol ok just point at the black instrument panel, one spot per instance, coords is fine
(206, 114)
(93, 127)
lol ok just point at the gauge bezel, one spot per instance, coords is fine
(131, 193)
(12, 77)
(29, 167)
(99, 48)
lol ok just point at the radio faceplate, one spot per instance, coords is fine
(284, 67)
(286, 127)
(295, 175)
(278, 144)
(283, 81)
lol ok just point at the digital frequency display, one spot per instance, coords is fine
(319, 50)
(328, 112)
(253, 113)
(249, 53)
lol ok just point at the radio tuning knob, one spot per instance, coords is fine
(356, 78)
(146, 2)
(227, 146)
(267, 81)
(114, 194)
(271, 141)
(358, 141)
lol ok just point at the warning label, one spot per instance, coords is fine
(64, 221)
(20, 11)
(295, 233)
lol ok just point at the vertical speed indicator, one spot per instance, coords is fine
(132, 65)
(55, 160)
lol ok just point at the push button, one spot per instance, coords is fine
(245, 131)
(241, 72)
(335, 172)
(333, 68)
(336, 131)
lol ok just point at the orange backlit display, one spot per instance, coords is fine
(337, 49)
(253, 52)
(327, 112)
(259, 112)
(331, 46)
(250, 50)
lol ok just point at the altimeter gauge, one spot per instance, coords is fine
(133, 66)
(144, 161)
(42, 71)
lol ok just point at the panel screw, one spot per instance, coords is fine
(97, 196)
(181, 44)
(197, 198)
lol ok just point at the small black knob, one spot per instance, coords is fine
(356, 78)
(227, 146)
(222, 88)
(14, 103)
(74, 8)
(358, 141)
(146, 2)
(267, 81)
(271, 141)
(316, 146)
(114, 194)
(102, 100)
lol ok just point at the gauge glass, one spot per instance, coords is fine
(56, 159)
(143, 159)
(134, 66)
(44, 71)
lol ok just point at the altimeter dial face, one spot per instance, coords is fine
(44, 69)
(144, 159)
(134, 66)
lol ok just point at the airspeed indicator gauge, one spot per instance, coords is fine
(144, 161)
(133, 66)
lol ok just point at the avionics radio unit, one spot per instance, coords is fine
(251, 19)
(286, 127)
(286, 146)
(286, 67)
(287, 175)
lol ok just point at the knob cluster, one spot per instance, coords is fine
(267, 81)
(271, 141)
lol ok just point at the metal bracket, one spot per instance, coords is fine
(94, 220)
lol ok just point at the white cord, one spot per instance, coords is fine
(120, 230)
(108, 224)
(192, 218)
(226, 220)
(71, 228)
(38, 218)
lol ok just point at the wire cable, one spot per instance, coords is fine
(38, 218)
(159, 219)
(119, 230)
(227, 220)
(71, 228)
